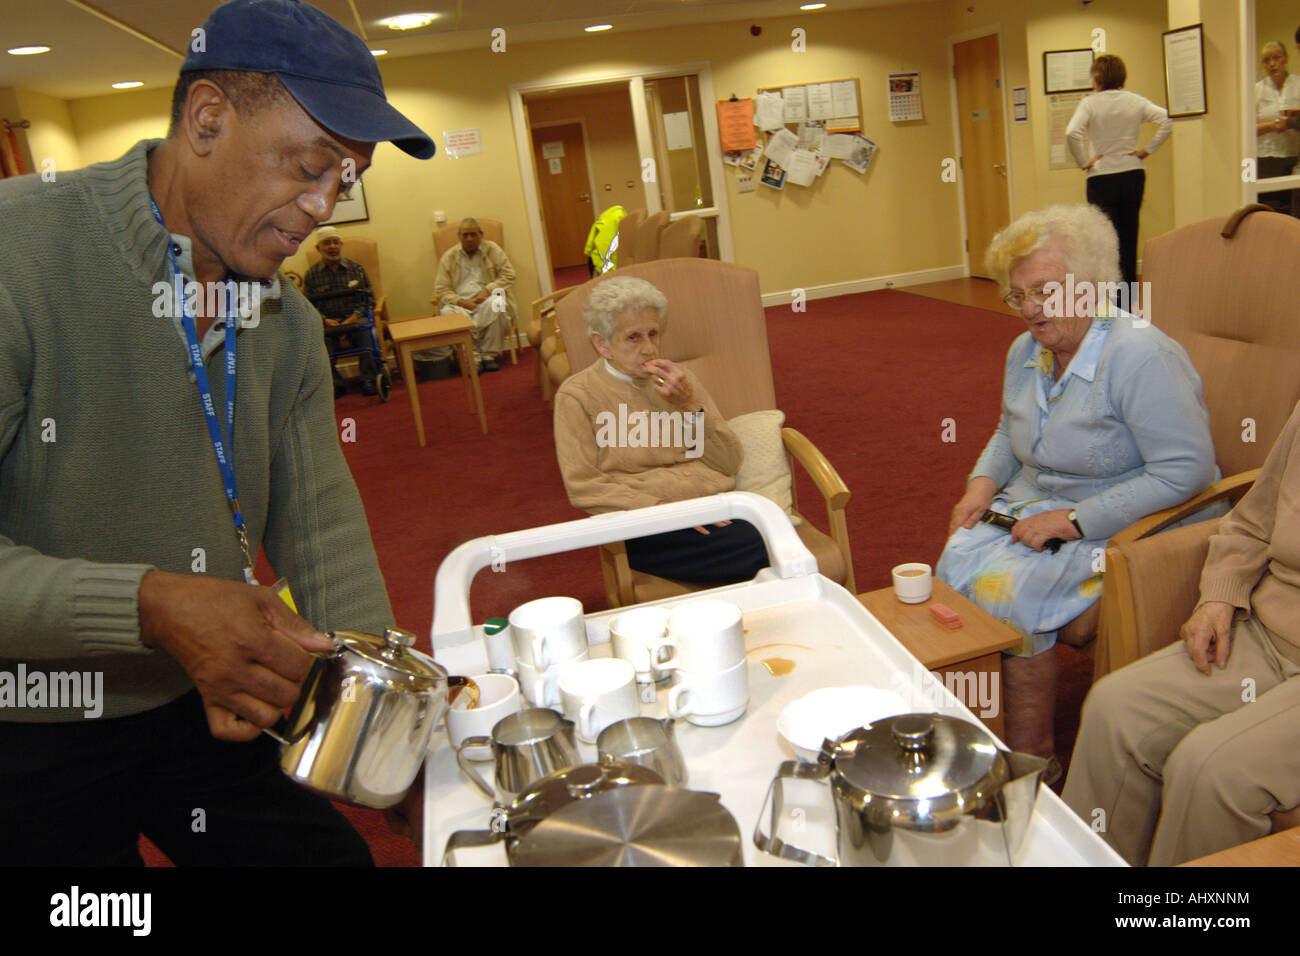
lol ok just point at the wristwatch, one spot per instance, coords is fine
(1074, 520)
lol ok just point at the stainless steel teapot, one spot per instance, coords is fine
(917, 789)
(361, 727)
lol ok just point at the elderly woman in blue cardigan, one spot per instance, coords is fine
(1102, 423)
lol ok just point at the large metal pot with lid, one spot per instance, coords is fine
(917, 789)
(610, 814)
(361, 727)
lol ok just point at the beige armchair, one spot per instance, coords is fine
(627, 237)
(445, 237)
(716, 327)
(1228, 290)
(544, 336)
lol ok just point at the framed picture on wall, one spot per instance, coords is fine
(352, 209)
(1185, 70)
(1067, 71)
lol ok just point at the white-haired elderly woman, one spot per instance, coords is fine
(1102, 423)
(633, 429)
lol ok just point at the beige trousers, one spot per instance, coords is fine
(1172, 765)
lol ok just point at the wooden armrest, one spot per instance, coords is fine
(1233, 487)
(822, 472)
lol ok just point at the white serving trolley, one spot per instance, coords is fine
(790, 612)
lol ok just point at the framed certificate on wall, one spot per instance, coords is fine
(1185, 70)
(1067, 71)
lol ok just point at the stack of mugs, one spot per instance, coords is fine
(710, 679)
(549, 636)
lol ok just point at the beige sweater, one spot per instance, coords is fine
(611, 464)
(1254, 560)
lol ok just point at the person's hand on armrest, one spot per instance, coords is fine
(246, 652)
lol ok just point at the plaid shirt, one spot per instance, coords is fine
(321, 279)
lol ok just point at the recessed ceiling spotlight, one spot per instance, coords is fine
(408, 21)
(29, 50)
(128, 85)
(597, 28)
(378, 52)
(811, 6)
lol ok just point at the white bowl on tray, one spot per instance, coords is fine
(832, 712)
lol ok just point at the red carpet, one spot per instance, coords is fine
(872, 379)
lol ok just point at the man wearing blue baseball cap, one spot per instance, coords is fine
(165, 409)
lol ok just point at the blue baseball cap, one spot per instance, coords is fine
(327, 68)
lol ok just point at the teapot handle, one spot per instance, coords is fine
(463, 760)
(774, 844)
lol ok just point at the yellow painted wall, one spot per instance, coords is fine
(899, 217)
(51, 136)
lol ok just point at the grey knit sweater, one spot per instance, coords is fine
(106, 466)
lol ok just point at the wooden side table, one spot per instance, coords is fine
(426, 333)
(1276, 849)
(971, 653)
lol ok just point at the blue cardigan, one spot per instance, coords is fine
(1123, 433)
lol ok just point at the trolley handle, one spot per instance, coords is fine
(451, 620)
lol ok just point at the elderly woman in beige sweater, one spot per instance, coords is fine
(633, 429)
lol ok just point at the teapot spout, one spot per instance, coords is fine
(1017, 798)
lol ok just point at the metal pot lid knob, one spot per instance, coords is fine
(396, 641)
(913, 732)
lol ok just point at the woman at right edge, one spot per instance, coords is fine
(1110, 118)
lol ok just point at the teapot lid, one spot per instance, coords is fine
(393, 651)
(918, 766)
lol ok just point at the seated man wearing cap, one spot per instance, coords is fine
(148, 660)
(340, 290)
(474, 279)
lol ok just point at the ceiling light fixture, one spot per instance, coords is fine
(408, 21)
(378, 52)
(29, 50)
(128, 84)
(597, 28)
(811, 6)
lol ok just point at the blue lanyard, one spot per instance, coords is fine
(224, 462)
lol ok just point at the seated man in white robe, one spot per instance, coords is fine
(474, 279)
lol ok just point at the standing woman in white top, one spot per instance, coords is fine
(1277, 98)
(1111, 119)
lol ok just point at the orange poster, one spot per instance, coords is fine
(736, 124)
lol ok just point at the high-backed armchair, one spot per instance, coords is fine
(445, 237)
(1228, 290)
(366, 251)
(628, 227)
(715, 326)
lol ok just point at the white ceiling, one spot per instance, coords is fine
(89, 52)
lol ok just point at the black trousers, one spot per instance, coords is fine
(1283, 201)
(1119, 196)
(80, 794)
(723, 556)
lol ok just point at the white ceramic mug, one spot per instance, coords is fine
(547, 631)
(499, 697)
(541, 687)
(913, 583)
(639, 637)
(706, 637)
(597, 693)
(709, 700)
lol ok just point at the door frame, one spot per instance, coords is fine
(953, 40)
(635, 78)
(591, 175)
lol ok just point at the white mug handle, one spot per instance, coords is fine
(549, 682)
(675, 706)
(539, 653)
(670, 663)
(585, 727)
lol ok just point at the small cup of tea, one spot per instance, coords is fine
(913, 583)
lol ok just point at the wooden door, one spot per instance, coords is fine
(982, 148)
(565, 191)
